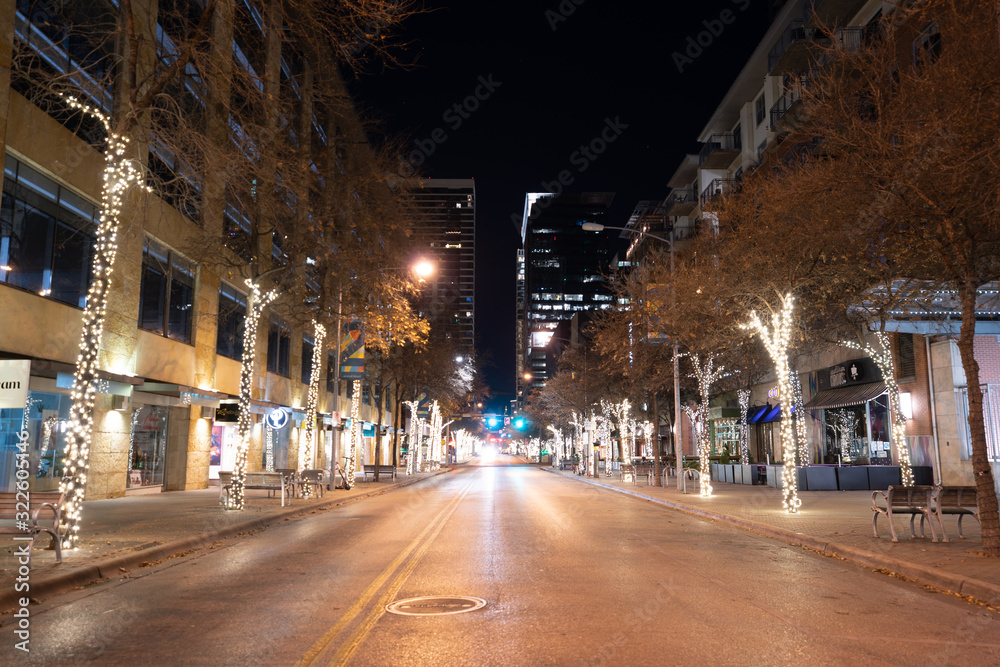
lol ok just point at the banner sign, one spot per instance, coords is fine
(352, 351)
(423, 406)
(656, 306)
(14, 374)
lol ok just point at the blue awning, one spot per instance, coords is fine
(773, 415)
(756, 412)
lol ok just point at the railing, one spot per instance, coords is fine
(681, 196)
(796, 32)
(716, 188)
(726, 141)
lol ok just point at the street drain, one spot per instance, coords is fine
(436, 605)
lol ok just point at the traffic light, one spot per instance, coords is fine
(519, 423)
(492, 422)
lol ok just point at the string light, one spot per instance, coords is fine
(883, 359)
(352, 448)
(776, 339)
(319, 335)
(743, 396)
(120, 173)
(706, 375)
(557, 435)
(268, 447)
(799, 415)
(412, 405)
(256, 303)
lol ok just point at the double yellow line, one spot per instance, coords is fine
(398, 572)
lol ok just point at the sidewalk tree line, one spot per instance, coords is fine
(882, 206)
(249, 132)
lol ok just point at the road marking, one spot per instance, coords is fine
(432, 529)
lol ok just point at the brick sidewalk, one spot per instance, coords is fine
(125, 532)
(838, 523)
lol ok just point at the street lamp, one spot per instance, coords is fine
(423, 268)
(678, 447)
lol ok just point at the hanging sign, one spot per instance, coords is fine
(352, 351)
(14, 374)
(277, 418)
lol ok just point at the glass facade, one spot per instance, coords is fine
(47, 416)
(148, 451)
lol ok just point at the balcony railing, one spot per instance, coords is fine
(718, 187)
(681, 201)
(794, 49)
(719, 151)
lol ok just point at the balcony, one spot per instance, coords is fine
(787, 109)
(834, 12)
(795, 49)
(681, 201)
(719, 151)
(718, 187)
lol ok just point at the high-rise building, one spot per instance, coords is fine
(445, 226)
(561, 272)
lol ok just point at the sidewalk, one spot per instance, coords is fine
(837, 524)
(126, 532)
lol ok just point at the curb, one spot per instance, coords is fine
(979, 591)
(61, 582)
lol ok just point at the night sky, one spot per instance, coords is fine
(551, 77)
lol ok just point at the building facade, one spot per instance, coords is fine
(563, 271)
(445, 227)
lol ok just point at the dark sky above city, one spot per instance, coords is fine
(550, 77)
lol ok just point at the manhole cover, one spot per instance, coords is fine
(436, 605)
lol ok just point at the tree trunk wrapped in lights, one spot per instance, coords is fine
(256, 303)
(799, 415)
(557, 438)
(319, 332)
(883, 359)
(120, 173)
(776, 340)
(413, 436)
(351, 464)
(706, 375)
(743, 395)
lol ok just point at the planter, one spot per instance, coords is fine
(774, 476)
(727, 472)
(737, 473)
(821, 478)
(715, 471)
(882, 477)
(748, 474)
(852, 478)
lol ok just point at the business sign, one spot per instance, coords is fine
(277, 418)
(352, 351)
(227, 412)
(14, 374)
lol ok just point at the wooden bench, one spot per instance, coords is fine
(567, 464)
(913, 500)
(267, 481)
(40, 512)
(382, 470)
(958, 500)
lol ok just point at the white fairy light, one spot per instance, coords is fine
(256, 303)
(352, 449)
(706, 375)
(319, 335)
(776, 339)
(120, 173)
(412, 405)
(883, 359)
(799, 415)
(743, 395)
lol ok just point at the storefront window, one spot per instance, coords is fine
(48, 415)
(148, 453)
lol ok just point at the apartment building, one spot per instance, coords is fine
(169, 364)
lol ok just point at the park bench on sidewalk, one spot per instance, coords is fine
(314, 479)
(643, 469)
(382, 470)
(913, 500)
(627, 472)
(960, 500)
(272, 482)
(567, 464)
(44, 514)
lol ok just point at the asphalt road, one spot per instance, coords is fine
(571, 574)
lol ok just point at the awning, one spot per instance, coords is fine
(843, 396)
(755, 412)
(772, 415)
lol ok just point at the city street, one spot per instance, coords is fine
(570, 573)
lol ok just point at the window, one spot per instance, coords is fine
(907, 369)
(46, 236)
(308, 345)
(761, 109)
(927, 47)
(279, 342)
(232, 319)
(166, 293)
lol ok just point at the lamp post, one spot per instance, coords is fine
(423, 269)
(678, 448)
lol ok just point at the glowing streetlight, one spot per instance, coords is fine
(424, 269)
